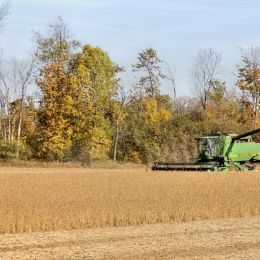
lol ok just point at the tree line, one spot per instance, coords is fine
(82, 112)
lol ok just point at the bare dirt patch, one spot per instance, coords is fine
(214, 239)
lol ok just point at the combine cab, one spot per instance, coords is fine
(220, 152)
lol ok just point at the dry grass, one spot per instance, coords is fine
(94, 165)
(50, 199)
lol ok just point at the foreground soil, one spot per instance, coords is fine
(214, 239)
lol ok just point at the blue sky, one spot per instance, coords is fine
(177, 29)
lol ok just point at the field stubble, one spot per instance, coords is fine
(52, 199)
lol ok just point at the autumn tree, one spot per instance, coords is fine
(148, 113)
(53, 55)
(147, 128)
(249, 78)
(204, 70)
(223, 113)
(94, 77)
(55, 130)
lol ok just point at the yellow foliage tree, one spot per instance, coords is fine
(148, 125)
(57, 105)
(93, 75)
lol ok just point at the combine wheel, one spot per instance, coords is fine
(250, 166)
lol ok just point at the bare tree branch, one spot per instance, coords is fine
(206, 66)
(170, 77)
(4, 11)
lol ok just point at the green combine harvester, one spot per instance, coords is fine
(220, 152)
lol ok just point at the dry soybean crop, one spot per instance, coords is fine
(52, 199)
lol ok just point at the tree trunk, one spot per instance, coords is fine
(255, 112)
(19, 130)
(116, 140)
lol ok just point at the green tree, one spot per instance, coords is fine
(148, 66)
